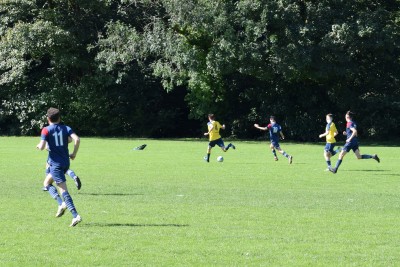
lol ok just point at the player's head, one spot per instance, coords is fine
(211, 117)
(349, 115)
(53, 115)
(272, 119)
(329, 118)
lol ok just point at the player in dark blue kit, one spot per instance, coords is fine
(351, 143)
(275, 130)
(56, 136)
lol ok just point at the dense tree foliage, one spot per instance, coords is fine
(156, 68)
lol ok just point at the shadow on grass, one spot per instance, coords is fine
(368, 170)
(110, 194)
(135, 225)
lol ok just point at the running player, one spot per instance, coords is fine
(214, 136)
(330, 133)
(275, 130)
(56, 136)
(351, 143)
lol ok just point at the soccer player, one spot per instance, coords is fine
(214, 136)
(330, 133)
(351, 143)
(56, 136)
(275, 130)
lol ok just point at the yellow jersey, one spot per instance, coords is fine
(213, 129)
(331, 128)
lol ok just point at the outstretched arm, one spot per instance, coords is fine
(261, 128)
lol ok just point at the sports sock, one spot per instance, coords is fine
(285, 154)
(70, 204)
(338, 164)
(274, 152)
(366, 156)
(328, 162)
(226, 149)
(71, 173)
(208, 157)
(54, 193)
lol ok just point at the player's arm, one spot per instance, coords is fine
(282, 136)
(324, 134)
(261, 128)
(209, 130)
(223, 126)
(77, 141)
(42, 145)
(354, 133)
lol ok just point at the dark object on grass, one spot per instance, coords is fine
(140, 147)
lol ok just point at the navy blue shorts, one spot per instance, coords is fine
(275, 144)
(217, 142)
(350, 146)
(58, 173)
(329, 147)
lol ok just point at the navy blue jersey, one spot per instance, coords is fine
(274, 130)
(349, 132)
(56, 136)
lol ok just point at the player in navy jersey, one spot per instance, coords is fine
(275, 130)
(56, 137)
(351, 143)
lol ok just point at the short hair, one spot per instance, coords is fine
(350, 114)
(329, 115)
(211, 116)
(272, 117)
(53, 114)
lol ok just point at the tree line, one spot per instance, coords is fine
(156, 68)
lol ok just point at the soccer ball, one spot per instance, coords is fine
(220, 159)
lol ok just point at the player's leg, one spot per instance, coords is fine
(224, 148)
(344, 151)
(273, 151)
(365, 156)
(77, 181)
(327, 154)
(327, 157)
(70, 203)
(48, 184)
(230, 145)
(207, 157)
(334, 151)
(280, 150)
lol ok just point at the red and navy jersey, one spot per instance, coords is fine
(56, 136)
(349, 132)
(274, 130)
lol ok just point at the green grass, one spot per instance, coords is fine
(165, 206)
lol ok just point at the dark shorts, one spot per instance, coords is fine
(58, 173)
(329, 147)
(350, 146)
(275, 144)
(217, 142)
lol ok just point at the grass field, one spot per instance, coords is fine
(165, 206)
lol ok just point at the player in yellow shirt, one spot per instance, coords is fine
(214, 136)
(330, 133)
